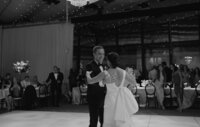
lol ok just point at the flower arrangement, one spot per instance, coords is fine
(145, 82)
(21, 67)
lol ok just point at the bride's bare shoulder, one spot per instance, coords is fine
(120, 69)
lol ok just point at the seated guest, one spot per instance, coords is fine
(26, 82)
(15, 91)
(76, 89)
(7, 80)
(129, 70)
(29, 97)
(35, 81)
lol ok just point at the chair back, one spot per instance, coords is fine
(167, 89)
(83, 90)
(42, 90)
(150, 89)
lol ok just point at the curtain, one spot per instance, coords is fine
(1, 71)
(43, 46)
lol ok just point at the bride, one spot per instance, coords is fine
(120, 104)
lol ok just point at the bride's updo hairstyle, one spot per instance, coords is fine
(113, 58)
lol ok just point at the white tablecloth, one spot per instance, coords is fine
(189, 96)
(4, 93)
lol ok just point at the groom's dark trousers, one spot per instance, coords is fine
(96, 96)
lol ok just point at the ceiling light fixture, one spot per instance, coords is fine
(81, 3)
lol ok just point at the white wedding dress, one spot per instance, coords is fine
(119, 106)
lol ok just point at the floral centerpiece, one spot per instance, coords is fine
(145, 82)
(21, 67)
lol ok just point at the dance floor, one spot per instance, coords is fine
(75, 119)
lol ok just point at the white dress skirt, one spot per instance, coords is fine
(119, 107)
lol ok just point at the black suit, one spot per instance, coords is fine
(96, 96)
(55, 87)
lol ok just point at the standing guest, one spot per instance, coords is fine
(80, 77)
(159, 84)
(72, 83)
(55, 79)
(174, 69)
(167, 71)
(196, 76)
(178, 86)
(29, 97)
(60, 83)
(153, 74)
(96, 91)
(26, 82)
(186, 74)
(72, 79)
(138, 76)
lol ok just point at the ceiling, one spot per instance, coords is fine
(37, 11)
(103, 17)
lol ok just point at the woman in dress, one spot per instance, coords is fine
(178, 86)
(159, 84)
(120, 103)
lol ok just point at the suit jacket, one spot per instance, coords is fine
(54, 81)
(95, 90)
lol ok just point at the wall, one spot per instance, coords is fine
(44, 46)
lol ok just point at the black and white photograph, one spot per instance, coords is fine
(99, 63)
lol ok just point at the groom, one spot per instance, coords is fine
(96, 92)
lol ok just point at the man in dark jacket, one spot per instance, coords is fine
(96, 92)
(55, 79)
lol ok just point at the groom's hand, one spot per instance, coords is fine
(88, 73)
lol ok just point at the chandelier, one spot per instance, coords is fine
(81, 3)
